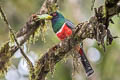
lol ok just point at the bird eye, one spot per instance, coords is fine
(54, 14)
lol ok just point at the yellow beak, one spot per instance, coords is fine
(44, 17)
(49, 17)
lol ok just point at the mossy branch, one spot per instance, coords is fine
(13, 37)
(6, 51)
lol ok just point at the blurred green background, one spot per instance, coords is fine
(106, 64)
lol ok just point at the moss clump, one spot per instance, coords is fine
(4, 58)
(40, 31)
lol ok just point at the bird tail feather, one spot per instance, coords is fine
(88, 68)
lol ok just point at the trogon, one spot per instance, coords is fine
(64, 28)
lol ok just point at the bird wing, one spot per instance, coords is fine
(69, 24)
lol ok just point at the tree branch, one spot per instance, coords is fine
(6, 51)
(16, 41)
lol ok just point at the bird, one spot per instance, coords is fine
(63, 28)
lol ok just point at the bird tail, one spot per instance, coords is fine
(88, 69)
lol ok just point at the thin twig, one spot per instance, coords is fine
(14, 37)
(92, 6)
